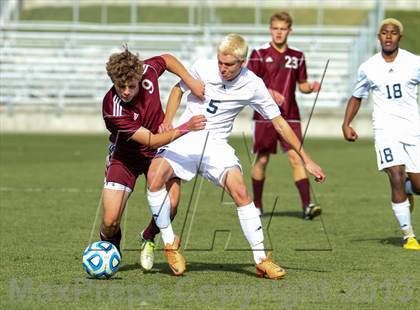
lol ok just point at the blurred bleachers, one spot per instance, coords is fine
(63, 69)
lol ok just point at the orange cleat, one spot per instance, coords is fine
(267, 268)
(175, 260)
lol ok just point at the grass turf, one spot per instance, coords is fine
(50, 189)
(177, 14)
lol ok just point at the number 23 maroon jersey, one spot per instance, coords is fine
(123, 119)
(280, 72)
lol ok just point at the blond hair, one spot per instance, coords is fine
(235, 45)
(124, 67)
(392, 21)
(282, 16)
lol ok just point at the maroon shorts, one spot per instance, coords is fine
(126, 174)
(266, 137)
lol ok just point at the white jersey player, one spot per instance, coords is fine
(394, 91)
(223, 101)
(229, 87)
(392, 76)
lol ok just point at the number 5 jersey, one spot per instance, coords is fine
(225, 99)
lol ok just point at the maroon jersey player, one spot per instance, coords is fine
(281, 68)
(133, 114)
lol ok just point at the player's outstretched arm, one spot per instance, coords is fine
(277, 97)
(176, 67)
(172, 106)
(145, 137)
(283, 129)
(353, 106)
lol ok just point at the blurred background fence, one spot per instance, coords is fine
(53, 54)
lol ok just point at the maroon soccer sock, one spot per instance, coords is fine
(115, 240)
(257, 187)
(151, 231)
(304, 192)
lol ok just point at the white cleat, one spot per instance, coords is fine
(147, 255)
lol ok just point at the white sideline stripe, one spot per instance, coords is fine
(94, 222)
(124, 226)
(50, 189)
(92, 190)
(194, 211)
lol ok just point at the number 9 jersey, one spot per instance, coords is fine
(394, 87)
(123, 119)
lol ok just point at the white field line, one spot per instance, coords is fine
(194, 210)
(49, 189)
(96, 219)
(93, 190)
(124, 226)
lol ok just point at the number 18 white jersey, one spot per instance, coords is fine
(394, 87)
(225, 99)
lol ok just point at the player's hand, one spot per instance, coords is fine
(196, 122)
(316, 171)
(349, 133)
(277, 97)
(197, 88)
(315, 87)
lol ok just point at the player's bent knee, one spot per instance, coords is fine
(110, 226)
(397, 177)
(263, 160)
(155, 181)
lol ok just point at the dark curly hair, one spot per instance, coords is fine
(124, 67)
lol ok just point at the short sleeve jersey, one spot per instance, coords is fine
(280, 72)
(394, 88)
(225, 99)
(123, 119)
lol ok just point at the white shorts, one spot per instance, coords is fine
(393, 153)
(185, 155)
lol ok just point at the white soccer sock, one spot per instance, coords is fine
(402, 213)
(258, 252)
(160, 206)
(168, 235)
(249, 218)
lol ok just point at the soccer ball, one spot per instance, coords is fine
(101, 260)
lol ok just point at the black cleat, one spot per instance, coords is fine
(311, 211)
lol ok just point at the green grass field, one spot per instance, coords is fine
(176, 14)
(50, 188)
